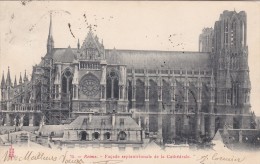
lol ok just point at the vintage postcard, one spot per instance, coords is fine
(129, 82)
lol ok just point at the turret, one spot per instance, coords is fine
(3, 87)
(3, 81)
(25, 78)
(15, 82)
(20, 79)
(8, 79)
(205, 40)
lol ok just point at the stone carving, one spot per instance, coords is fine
(89, 104)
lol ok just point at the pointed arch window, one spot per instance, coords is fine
(233, 33)
(66, 82)
(242, 33)
(140, 94)
(225, 32)
(112, 85)
(130, 93)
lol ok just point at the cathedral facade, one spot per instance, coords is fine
(171, 95)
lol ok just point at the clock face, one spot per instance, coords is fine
(90, 85)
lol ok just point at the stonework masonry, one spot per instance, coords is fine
(171, 95)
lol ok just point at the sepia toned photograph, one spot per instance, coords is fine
(122, 82)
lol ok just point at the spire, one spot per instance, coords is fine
(25, 79)
(50, 28)
(3, 81)
(8, 78)
(50, 42)
(15, 83)
(78, 44)
(20, 80)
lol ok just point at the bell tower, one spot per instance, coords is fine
(230, 54)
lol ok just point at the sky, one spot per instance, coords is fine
(122, 25)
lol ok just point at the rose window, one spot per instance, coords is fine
(90, 85)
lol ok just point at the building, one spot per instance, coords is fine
(171, 95)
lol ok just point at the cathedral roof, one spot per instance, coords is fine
(95, 122)
(64, 55)
(143, 58)
(158, 59)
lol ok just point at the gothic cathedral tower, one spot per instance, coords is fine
(230, 59)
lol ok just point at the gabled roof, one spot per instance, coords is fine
(95, 122)
(158, 59)
(91, 39)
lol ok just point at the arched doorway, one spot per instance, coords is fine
(140, 95)
(107, 136)
(17, 123)
(95, 135)
(37, 120)
(217, 124)
(122, 136)
(83, 136)
(26, 120)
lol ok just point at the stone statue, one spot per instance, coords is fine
(21, 121)
(43, 120)
(15, 120)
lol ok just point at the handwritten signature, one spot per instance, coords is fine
(217, 157)
(41, 156)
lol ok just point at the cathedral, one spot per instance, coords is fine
(169, 95)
